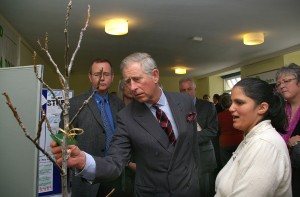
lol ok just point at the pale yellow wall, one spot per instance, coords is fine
(292, 58)
(170, 83)
(270, 64)
(215, 85)
(262, 66)
(202, 86)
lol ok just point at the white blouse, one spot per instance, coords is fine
(260, 167)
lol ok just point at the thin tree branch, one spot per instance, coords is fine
(69, 7)
(38, 134)
(16, 115)
(88, 99)
(52, 61)
(43, 82)
(79, 42)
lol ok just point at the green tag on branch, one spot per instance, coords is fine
(70, 140)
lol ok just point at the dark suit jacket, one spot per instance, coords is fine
(162, 169)
(92, 140)
(208, 120)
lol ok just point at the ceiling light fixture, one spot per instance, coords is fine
(253, 38)
(180, 71)
(116, 27)
(197, 39)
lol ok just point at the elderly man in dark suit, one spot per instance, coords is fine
(207, 129)
(94, 138)
(165, 150)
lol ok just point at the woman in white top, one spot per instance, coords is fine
(260, 167)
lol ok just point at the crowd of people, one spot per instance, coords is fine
(146, 141)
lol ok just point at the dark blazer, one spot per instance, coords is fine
(162, 169)
(92, 140)
(208, 121)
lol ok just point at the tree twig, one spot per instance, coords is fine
(69, 7)
(88, 99)
(52, 61)
(43, 82)
(16, 115)
(79, 42)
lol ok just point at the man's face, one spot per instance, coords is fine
(105, 79)
(143, 87)
(187, 87)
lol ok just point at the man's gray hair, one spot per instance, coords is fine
(146, 61)
(187, 79)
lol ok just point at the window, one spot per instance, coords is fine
(230, 80)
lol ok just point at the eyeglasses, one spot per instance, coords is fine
(284, 81)
(105, 74)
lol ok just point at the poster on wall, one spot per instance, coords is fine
(49, 178)
(267, 76)
(9, 46)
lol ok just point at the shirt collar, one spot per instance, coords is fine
(161, 102)
(100, 97)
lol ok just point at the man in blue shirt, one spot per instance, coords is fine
(95, 139)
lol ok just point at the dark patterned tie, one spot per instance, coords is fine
(165, 123)
(107, 127)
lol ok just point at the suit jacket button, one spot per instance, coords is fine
(156, 153)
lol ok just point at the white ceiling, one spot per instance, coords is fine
(162, 28)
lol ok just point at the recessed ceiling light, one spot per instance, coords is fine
(254, 38)
(180, 71)
(197, 38)
(116, 27)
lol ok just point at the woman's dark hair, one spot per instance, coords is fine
(225, 100)
(260, 91)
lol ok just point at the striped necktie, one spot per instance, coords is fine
(165, 123)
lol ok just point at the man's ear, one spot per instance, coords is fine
(155, 75)
(263, 108)
(90, 77)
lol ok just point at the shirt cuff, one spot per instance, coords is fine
(89, 170)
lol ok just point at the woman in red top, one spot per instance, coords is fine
(230, 137)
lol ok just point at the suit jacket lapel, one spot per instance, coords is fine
(180, 120)
(113, 108)
(147, 120)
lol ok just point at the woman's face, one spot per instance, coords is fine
(127, 92)
(288, 86)
(245, 113)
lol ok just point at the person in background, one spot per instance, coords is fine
(216, 101)
(207, 129)
(288, 84)
(206, 97)
(125, 94)
(260, 166)
(158, 127)
(215, 140)
(230, 137)
(93, 140)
